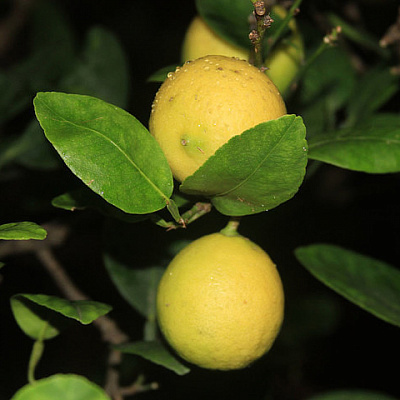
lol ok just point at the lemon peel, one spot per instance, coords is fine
(220, 303)
(204, 103)
(283, 62)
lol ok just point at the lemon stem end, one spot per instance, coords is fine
(231, 227)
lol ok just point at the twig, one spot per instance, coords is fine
(263, 21)
(109, 330)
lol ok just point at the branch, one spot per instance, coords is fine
(109, 330)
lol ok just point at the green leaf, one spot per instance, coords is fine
(161, 74)
(50, 55)
(108, 149)
(36, 312)
(102, 71)
(222, 15)
(372, 146)
(352, 395)
(61, 387)
(324, 90)
(36, 321)
(367, 98)
(371, 284)
(137, 286)
(156, 353)
(255, 171)
(53, 46)
(84, 198)
(22, 231)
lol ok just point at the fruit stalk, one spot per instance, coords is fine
(231, 227)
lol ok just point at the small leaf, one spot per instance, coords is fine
(352, 395)
(108, 149)
(371, 284)
(84, 311)
(61, 387)
(35, 321)
(156, 353)
(372, 146)
(22, 231)
(255, 171)
(84, 198)
(137, 286)
(35, 312)
(103, 70)
(161, 74)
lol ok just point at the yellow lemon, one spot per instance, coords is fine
(286, 58)
(200, 40)
(283, 63)
(206, 102)
(220, 303)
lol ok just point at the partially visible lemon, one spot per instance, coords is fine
(200, 40)
(220, 303)
(204, 103)
(283, 63)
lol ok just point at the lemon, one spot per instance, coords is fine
(220, 302)
(283, 63)
(200, 40)
(204, 103)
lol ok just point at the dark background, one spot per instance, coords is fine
(326, 342)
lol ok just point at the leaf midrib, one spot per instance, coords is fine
(62, 119)
(244, 181)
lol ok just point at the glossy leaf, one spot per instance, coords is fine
(35, 313)
(22, 231)
(371, 284)
(137, 286)
(372, 146)
(108, 149)
(156, 353)
(61, 387)
(102, 71)
(352, 395)
(255, 171)
(84, 198)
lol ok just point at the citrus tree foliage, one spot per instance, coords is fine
(73, 150)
